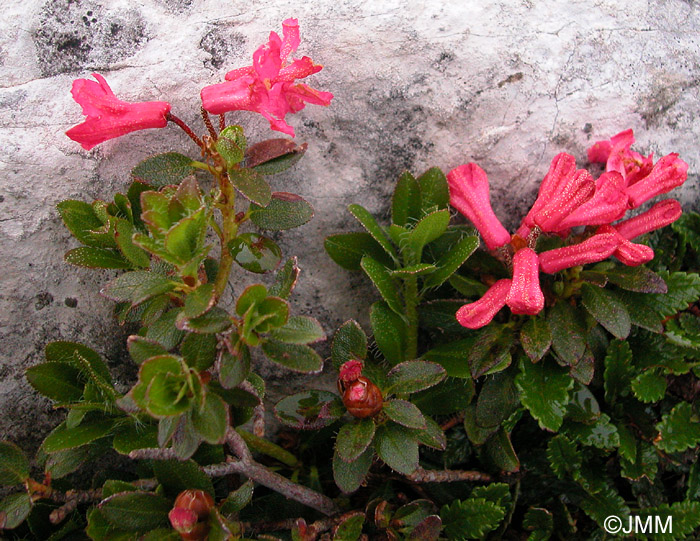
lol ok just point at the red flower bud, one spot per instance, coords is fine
(189, 514)
(350, 371)
(598, 247)
(660, 215)
(362, 398)
(668, 173)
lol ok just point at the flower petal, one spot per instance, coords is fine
(479, 313)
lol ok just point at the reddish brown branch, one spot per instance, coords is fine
(208, 124)
(447, 476)
(184, 127)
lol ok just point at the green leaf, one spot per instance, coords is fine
(641, 311)
(500, 452)
(414, 376)
(176, 476)
(452, 356)
(233, 369)
(397, 448)
(406, 201)
(68, 438)
(238, 499)
(603, 501)
(564, 456)
(433, 190)
(540, 522)
(445, 398)
(350, 528)
(285, 211)
(274, 155)
(96, 258)
(639, 279)
(14, 510)
(214, 321)
(136, 511)
(384, 283)
(14, 466)
(199, 350)
(467, 286)
(536, 338)
(297, 357)
(299, 330)
(252, 185)
(678, 430)
(601, 434)
(309, 410)
(683, 289)
(212, 420)
(236, 134)
(544, 391)
(285, 279)
(135, 436)
(618, 370)
(184, 239)
(367, 221)
(354, 438)
(404, 413)
(199, 301)
(497, 400)
(449, 262)
(229, 149)
(685, 521)
(163, 169)
(58, 381)
(568, 332)
(414, 270)
(349, 343)
(491, 351)
(607, 309)
(255, 253)
(137, 286)
(649, 386)
(432, 436)
(81, 220)
(123, 235)
(348, 249)
(427, 230)
(164, 332)
(350, 475)
(389, 331)
(644, 463)
(583, 407)
(470, 519)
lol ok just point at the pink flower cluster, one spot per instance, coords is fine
(267, 87)
(569, 197)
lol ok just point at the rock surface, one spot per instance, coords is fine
(506, 84)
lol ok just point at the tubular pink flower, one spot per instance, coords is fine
(562, 167)
(609, 203)
(267, 87)
(617, 156)
(627, 252)
(668, 173)
(577, 190)
(479, 313)
(525, 295)
(660, 215)
(469, 194)
(598, 247)
(109, 117)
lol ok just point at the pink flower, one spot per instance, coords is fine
(469, 194)
(350, 371)
(660, 215)
(668, 173)
(109, 117)
(479, 313)
(596, 248)
(525, 295)
(609, 203)
(267, 87)
(617, 156)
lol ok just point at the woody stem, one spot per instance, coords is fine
(229, 229)
(175, 120)
(208, 124)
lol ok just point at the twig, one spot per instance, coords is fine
(222, 122)
(447, 476)
(259, 421)
(72, 498)
(208, 124)
(452, 422)
(260, 474)
(172, 118)
(237, 444)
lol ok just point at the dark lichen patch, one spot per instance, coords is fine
(42, 300)
(442, 61)
(75, 36)
(71, 302)
(223, 46)
(177, 6)
(514, 78)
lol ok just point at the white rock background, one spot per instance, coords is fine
(416, 84)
